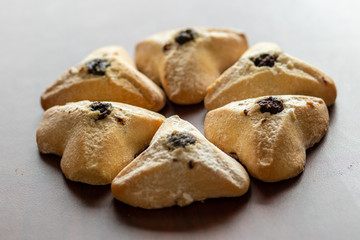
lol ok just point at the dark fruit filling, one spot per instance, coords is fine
(103, 108)
(97, 66)
(271, 105)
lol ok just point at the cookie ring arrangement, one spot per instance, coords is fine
(265, 109)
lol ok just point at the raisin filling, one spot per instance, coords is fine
(177, 140)
(185, 36)
(104, 109)
(265, 60)
(271, 105)
(97, 66)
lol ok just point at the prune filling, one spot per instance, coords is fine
(265, 60)
(104, 109)
(177, 140)
(185, 36)
(271, 105)
(97, 66)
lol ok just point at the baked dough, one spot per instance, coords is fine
(269, 135)
(96, 139)
(266, 70)
(179, 167)
(186, 62)
(107, 74)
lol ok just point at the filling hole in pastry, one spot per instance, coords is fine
(97, 66)
(265, 60)
(271, 105)
(103, 108)
(185, 36)
(177, 140)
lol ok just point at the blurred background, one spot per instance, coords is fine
(41, 39)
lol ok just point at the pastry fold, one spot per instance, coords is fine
(180, 166)
(266, 70)
(186, 62)
(96, 139)
(107, 74)
(269, 135)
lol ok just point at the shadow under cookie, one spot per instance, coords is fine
(51, 160)
(267, 192)
(270, 191)
(90, 195)
(197, 216)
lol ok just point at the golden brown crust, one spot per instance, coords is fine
(179, 167)
(288, 76)
(94, 150)
(121, 82)
(271, 146)
(186, 70)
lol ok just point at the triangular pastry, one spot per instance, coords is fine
(107, 74)
(179, 167)
(266, 70)
(269, 135)
(96, 139)
(185, 62)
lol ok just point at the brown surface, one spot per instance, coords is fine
(41, 39)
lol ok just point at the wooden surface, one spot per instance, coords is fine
(41, 39)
